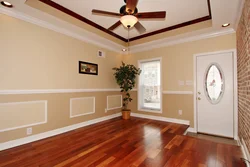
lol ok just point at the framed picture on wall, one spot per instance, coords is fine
(88, 68)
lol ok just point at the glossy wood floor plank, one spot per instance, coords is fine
(124, 143)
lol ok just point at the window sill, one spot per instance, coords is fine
(150, 110)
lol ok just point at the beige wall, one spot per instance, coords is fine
(33, 57)
(62, 16)
(36, 58)
(114, 102)
(21, 114)
(58, 111)
(177, 64)
(82, 106)
(179, 31)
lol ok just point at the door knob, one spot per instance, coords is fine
(199, 98)
(199, 93)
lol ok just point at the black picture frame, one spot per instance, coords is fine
(88, 68)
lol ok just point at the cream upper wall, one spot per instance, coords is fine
(177, 60)
(63, 16)
(175, 32)
(33, 57)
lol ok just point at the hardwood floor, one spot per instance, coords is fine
(120, 143)
(216, 139)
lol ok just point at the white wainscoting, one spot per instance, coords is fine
(158, 118)
(109, 100)
(46, 91)
(82, 106)
(18, 142)
(22, 106)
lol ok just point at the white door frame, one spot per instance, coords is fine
(235, 89)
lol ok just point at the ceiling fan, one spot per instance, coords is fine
(129, 16)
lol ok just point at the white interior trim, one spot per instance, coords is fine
(95, 39)
(238, 16)
(158, 118)
(169, 41)
(71, 105)
(244, 150)
(192, 130)
(45, 91)
(235, 95)
(235, 89)
(28, 125)
(178, 92)
(88, 37)
(138, 86)
(108, 109)
(29, 139)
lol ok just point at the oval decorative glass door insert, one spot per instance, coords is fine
(214, 83)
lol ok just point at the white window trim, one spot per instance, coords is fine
(139, 91)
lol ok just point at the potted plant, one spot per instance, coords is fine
(125, 77)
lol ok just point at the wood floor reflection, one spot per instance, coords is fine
(124, 143)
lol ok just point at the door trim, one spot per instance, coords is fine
(234, 51)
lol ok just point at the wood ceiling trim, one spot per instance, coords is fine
(205, 18)
(81, 18)
(93, 24)
(172, 28)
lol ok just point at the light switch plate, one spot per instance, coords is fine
(181, 83)
(180, 112)
(189, 82)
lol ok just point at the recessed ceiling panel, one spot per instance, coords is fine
(177, 12)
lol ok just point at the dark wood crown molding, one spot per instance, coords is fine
(172, 28)
(81, 18)
(205, 18)
(91, 23)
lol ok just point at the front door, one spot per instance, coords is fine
(215, 94)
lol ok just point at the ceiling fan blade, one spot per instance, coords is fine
(140, 27)
(152, 15)
(117, 24)
(101, 12)
(131, 5)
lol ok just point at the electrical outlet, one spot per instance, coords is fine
(106, 110)
(180, 112)
(29, 131)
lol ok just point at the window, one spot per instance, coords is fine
(150, 93)
(214, 83)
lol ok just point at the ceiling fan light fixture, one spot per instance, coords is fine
(129, 20)
(6, 4)
(226, 25)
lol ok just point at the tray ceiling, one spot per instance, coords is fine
(74, 18)
(177, 12)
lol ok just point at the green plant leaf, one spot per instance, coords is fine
(125, 77)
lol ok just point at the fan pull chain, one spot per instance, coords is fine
(128, 40)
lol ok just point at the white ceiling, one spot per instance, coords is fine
(177, 11)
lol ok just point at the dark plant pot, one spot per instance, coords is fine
(126, 114)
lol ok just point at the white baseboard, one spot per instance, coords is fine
(158, 118)
(25, 140)
(244, 150)
(192, 130)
